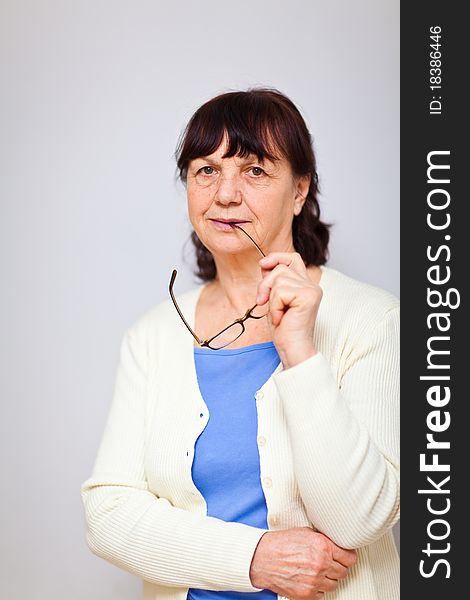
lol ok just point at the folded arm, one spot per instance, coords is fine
(345, 438)
(131, 527)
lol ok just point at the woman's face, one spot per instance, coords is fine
(262, 196)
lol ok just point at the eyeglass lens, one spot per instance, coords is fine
(227, 337)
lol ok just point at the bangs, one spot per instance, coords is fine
(251, 125)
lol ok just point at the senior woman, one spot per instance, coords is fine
(251, 450)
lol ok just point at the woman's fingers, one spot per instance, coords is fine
(280, 275)
(348, 558)
(278, 301)
(328, 585)
(337, 571)
(290, 259)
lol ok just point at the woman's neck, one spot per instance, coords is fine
(236, 283)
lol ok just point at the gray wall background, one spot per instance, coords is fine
(94, 95)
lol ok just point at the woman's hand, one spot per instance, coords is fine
(293, 305)
(299, 563)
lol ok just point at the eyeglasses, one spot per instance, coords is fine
(232, 332)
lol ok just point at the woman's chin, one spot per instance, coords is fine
(221, 247)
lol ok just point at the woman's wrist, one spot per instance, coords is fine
(256, 573)
(296, 355)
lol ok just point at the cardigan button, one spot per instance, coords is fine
(273, 520)
(259, 395)
(268, 482)
(261, 440)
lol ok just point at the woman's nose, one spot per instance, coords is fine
(228, 189)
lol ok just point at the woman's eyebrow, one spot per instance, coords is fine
(204, 159)
(252, 158)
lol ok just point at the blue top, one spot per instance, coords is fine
(226, 466)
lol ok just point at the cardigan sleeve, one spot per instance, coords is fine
(345, 436)
(134, 529)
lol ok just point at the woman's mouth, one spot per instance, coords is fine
(226, 224)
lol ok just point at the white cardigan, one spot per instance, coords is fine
(327, 439)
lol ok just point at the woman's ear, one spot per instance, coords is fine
(301, 190)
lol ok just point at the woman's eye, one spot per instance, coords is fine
(257, 171)
(207, 170)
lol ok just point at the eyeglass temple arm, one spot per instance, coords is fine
(172, 281)
(247, 234)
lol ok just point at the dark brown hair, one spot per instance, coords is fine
(263, 122)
